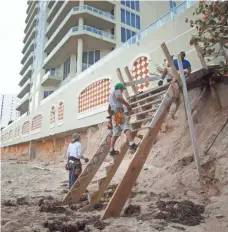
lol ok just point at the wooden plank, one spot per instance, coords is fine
(150, 91)
(170, 60)
(123, 190)
(143, 112)
(147, 98)
(147, 104)
(144, 80)
(130, 79)
(189, 115)
(120, 76)
(75, 192)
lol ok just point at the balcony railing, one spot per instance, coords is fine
(94, 10)
(26, 97)
(80, 9)
(93, 30)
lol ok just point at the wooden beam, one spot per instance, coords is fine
(130, 79)
(200, 55)
(123, 190)
(189, 115)
(145, 80)
(120, 76)
(170, 61)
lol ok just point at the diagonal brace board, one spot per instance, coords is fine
(123, 190)
(86, 176)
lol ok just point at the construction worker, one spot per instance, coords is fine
(74, 154)
(119, 112)
(167, 72)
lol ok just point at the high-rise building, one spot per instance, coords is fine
(8, 109)
(64, 38)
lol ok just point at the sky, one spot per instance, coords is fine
(12, 24)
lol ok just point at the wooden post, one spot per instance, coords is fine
(170, 60)
(119, 74)
(130, 79)
(189, 115)
(199, 53)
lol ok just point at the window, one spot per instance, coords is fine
(130, 19)
(47, 93)
(126, 34)
(137, 22)
(66, 68)
(89, 58)
(134, 5)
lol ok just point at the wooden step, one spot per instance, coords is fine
(124, 188)
(147, 104)
(147, 98)
(144, 112)
(150, 91)
(141, 120)
(141, 128)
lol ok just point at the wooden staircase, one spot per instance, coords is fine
(143, 107)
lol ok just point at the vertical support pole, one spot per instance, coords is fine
(199, 53)
(54, 147)
(119, 74)
(170, 60)
(130, 79)
(189, 115)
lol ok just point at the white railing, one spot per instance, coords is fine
(26, 64)
(29, 41)
(52, 73)
(29, 30)
(94, 10)
(25, 84)
(93, 30)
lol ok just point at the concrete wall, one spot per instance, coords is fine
(175, 33)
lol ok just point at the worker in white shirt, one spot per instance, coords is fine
(74, 154)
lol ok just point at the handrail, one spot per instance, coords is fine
(93, 30)
(95, 10)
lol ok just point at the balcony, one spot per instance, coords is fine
(26, 76)
(93, 39)
(28, 62)
(51, 78)
(23, 104)
(53, 11)
(50, 4)
(34, 10)
(24, 89)
(28, 52)
(30, 40)
(91, 15)
(29, 31)
(31, 7)
(29, 27)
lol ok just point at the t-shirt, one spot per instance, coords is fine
(114, 103)
(186, 64)
(75, 150)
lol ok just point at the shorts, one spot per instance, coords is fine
(118, 129)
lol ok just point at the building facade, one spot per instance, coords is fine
(64, 38)
(76, 49)
(8, 109)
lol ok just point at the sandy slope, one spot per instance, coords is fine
(30, 196)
